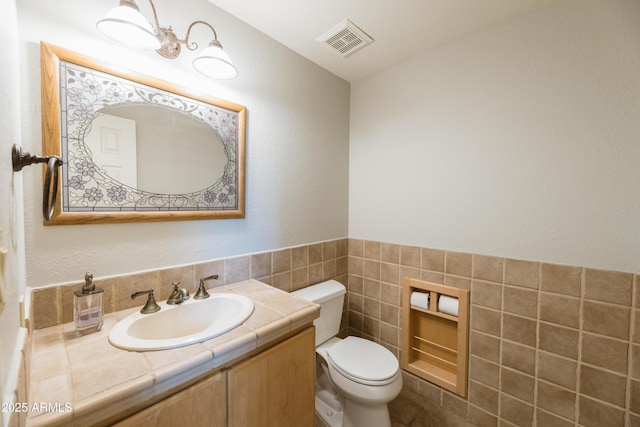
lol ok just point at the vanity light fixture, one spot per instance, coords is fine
(125, 24)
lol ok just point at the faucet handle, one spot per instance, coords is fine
(202, 292)
(150, 306)
(180, 292)
(178, 296)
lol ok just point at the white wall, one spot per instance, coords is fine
(12, 235)
(521, 141)
(297, 145)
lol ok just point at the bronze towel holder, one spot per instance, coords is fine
(22, 158)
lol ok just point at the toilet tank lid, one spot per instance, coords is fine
(321, 292)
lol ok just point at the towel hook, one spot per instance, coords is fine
(22, 158)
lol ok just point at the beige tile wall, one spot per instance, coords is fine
(287, 269)
(550, 345)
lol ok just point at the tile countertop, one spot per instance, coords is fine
(82, 380)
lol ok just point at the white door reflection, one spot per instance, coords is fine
(112, 142)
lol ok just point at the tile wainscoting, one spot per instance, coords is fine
(550, 345)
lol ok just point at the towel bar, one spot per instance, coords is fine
(20, 159)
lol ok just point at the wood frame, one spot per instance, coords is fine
(50, 57)
(435, 345)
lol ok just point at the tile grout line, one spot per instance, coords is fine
(576, 415)
(632, 331)
(501, 341)
(536, 367)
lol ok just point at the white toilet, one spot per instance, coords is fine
(355, 378)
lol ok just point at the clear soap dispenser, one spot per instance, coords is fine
(87, 306)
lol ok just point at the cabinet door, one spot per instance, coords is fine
(202, 404)
(275, 388)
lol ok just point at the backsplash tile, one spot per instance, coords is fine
(261, 265)
(605, 352)
(48, 303)
(557, 370)
(485, 320)
(560, 309)
(608, 286)
(556, 400)
(521, 273)
(410, 256)
(519, 329)
(484, 346)
(281, 261)
(433, 260)
(597, 413)
(523, 302)
(519, 357)
(484, 371)
(606, 319)
(287, 269)
(484, 397)
(390, 253)
(488, 268)
(559, 340)
(458, 264)
(237, 269)
(517, 384)
(515, 411)
(603, 385)
(561, 279)
(486, 294)
(549, 420)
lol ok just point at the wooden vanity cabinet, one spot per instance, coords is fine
(202, 404)
(274, 388)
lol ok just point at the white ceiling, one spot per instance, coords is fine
(401, 29)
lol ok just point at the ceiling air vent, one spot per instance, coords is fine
(345, 38)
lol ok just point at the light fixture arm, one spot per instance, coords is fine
(194, 45)
(155, 17)
(171, 45)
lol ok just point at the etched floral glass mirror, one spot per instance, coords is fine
(135, 148)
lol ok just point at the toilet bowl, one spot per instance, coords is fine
(356, 378)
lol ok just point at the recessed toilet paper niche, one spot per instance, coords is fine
(435, 329)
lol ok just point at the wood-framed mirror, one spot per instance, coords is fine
(135, 148)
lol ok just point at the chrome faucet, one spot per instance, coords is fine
(178, 296)
(150, 306)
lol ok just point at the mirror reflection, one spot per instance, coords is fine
(134, 143)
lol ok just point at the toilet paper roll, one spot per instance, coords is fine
(420, 299)
(448, 305)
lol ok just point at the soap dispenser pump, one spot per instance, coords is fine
(87, 306)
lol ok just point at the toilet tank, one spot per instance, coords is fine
(330, 296)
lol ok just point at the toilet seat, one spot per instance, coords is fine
(363, 361)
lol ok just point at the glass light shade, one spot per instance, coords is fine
(126, 25)
(214, 62)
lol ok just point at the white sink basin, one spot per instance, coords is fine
(180, 325)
